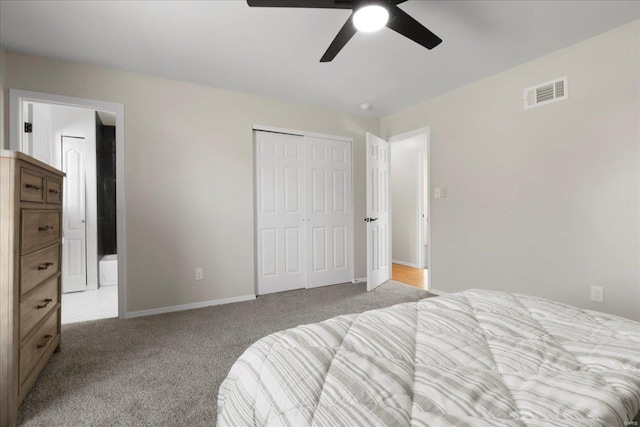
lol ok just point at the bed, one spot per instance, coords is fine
(474, 358)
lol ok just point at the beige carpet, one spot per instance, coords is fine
(166, 369)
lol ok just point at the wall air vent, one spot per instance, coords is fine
(546, 93)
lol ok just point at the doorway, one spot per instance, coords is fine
(409, 189)
(65, 131)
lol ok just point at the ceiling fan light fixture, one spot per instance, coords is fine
(370, 18)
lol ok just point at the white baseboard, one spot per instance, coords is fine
(360, 280)
(191, 306)
(408, 264)
(438, 292)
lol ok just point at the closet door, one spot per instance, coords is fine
(279, 212)
(328, 211)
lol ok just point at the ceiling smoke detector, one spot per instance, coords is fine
(365, 106)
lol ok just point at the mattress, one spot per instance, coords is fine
(474, 358)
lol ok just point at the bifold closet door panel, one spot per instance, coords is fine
(328, 211)
(279, 209)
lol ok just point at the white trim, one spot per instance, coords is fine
(183, 307)
(17, 97)
(254, 200)
(359, 280)
(301, 133)
(420, 209)
(352, 243)
(438, 292)
(408, 264)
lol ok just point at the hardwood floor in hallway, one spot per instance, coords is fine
(416, 277)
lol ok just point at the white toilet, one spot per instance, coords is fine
(109, 270)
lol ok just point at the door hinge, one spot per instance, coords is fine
(28, 127)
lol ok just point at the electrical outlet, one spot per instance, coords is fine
(199, 273)
(597, 294)
(440, 193)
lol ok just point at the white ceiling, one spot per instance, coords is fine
(275, 52)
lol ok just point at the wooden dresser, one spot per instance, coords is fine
(30, 288)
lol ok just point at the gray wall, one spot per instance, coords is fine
(543, 201)
(189, 174)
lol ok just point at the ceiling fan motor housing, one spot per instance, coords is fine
(397, 20)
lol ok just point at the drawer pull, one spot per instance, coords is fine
(51, 190)
(46, 303)
(45, 266)
(45, 228)
(45, 342)
(33, 187)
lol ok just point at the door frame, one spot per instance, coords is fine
(303, 133)
(16, 99)
(421, 194)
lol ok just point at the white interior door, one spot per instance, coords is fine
(42, 133)
(74, 248)
(328, 211)
(378, 232)
(280, 223)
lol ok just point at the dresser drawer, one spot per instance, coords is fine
(39, 228)
(37, 306)
(37, 345)
(54, 190)
(37, 267)
(32, 186)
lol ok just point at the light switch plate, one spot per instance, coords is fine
(440, 193)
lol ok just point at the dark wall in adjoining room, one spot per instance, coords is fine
(106, 170)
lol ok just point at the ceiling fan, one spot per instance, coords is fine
(366, 16)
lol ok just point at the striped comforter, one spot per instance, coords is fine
(475, 358)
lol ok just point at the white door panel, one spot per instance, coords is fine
(38, 142)
(329, 228)
(303, 212)
(42, 133)
(74, 258)
(279, 216)
(378, 251)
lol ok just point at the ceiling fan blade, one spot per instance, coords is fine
(308, 4)
(404, 24)
(344, 35)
